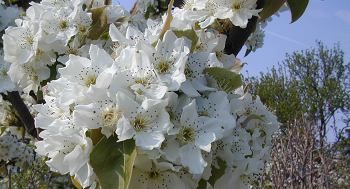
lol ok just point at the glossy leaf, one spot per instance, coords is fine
(247, 52)
(99, 22)
(297, 8)
(249, 118)
(225, 80)
(95, 135)
(217, 173)
(113, 162)
(270, 7)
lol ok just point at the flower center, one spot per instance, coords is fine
(236, 6)
(73, 51)
(163, 66)
(63, 24)
(204, 113)
(140, 123)
(200, 47)
(187, 134)
(153, 175)
(29, 38)
(142, 80)
(82, 29)
(188, 72)
(91, 80)
(110, 117)
(39, 54)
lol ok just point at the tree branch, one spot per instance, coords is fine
(23, 112)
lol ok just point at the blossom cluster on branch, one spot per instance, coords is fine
(160, 86)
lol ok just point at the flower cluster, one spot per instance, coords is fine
(206, 12)
(255, 40)
(14, 153)
(164, 83)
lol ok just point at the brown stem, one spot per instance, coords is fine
(25, 116)
(9, 174)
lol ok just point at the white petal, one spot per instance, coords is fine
(191, 157)
(149, 140)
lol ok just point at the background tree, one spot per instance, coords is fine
(313, 85)
(314, 82)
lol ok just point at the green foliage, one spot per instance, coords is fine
(276, 90)
(297, 8)
(313, 82)
(224, 79)
(113, 162)
(249, 118)
(217, 173)
(270, 7)
(99, 22)
(202, 184)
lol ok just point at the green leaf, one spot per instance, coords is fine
(76, 183)
(225, 80)
(99, 22)
(217, 173)
(249, 118)
(190, 34)
(270, 7)
(202, 184)
(95, 135)
(248, 52)
(2, 129)
(113, 162)
(297, 8)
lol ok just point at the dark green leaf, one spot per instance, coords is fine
(270, 7)
(99, 22)
(225, 80)
(247, 52)
(202, 184)
(217, 173)
(297, 8)
(2, 130)
(113, 162)
(95, 135)
(249, 118)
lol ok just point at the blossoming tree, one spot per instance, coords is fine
(150, 98)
